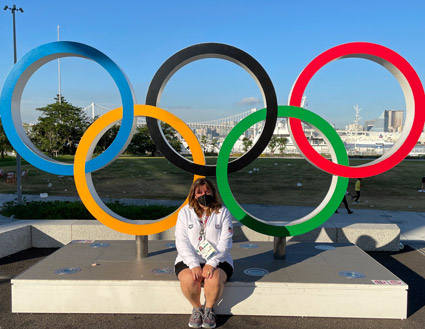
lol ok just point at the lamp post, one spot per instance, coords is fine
(18, 157)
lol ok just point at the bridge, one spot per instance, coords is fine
(223, 124)
(228, 122)
(95, 110)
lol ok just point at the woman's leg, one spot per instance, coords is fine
(357, 196)
(213, 288)
(191, 289)
(344, 200)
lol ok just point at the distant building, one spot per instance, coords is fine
(395, 121)
(381, 124)
(388, 121)
(368, 124)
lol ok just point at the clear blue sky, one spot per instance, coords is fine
(284, 36)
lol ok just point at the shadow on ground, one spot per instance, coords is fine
(408, 265)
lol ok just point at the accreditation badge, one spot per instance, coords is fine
(206, 250)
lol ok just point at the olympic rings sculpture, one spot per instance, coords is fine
(84, 165)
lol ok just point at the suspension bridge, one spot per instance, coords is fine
(223, 124)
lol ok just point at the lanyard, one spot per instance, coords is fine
(202, 231)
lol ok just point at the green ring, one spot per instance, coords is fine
(319, 215)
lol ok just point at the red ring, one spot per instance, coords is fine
(350, 50)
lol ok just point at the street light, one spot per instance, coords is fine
(18, 157)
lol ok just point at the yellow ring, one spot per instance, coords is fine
(84, 182)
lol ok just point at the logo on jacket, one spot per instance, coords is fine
(190, 226)
(217, 226)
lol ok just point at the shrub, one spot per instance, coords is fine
(76, 210)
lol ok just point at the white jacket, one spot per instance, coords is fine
(219, 232)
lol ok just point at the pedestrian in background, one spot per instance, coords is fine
(423, 185)
(357, 188)
(344, 200)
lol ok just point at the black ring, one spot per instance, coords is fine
(211, 50)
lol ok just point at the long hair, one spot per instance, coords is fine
(193, 203)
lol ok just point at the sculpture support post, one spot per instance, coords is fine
(279, 247)
(141, 246)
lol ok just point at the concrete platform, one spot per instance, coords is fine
(309, 282)
(14, 239)
(57, 233)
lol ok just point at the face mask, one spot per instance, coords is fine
(205, 200)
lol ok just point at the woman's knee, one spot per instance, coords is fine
(185, 277)
(218, 278)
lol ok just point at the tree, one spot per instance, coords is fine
(142, 142)
(214, 144)
(5, 145)
(171, 134)
(281, 141)
(59, 128)
(247, 143)
(204, 142)
(273, 144)
(107, 138)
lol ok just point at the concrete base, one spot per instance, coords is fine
(308, 282)
(23, 234)
(15, 239)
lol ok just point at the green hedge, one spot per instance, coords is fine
(76, 210)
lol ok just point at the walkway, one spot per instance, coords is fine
(411, 223)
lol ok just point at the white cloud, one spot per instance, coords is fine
(249, 101)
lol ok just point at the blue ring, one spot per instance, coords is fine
(19, 76)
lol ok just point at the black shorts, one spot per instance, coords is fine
(226, 267)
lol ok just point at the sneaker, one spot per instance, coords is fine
(209, 318)
(350, 212)
(195, 320)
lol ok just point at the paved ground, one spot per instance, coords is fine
(408, 264)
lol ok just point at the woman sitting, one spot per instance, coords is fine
(204, 233)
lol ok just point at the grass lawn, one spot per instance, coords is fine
(274, 183)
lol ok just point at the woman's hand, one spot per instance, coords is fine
(197, 273)
(208, 271)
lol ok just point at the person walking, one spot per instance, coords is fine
(344, 200)
(357, 188)
(423, 185)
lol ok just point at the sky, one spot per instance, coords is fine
(283, 36)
